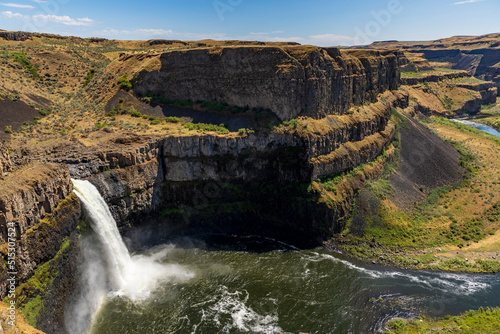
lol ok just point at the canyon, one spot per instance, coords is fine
(340, 114)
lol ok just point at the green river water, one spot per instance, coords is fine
(257, 285)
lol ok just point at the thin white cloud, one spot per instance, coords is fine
(467, 1)
(66, 20)
(41, 18)
(10, 15)
(331, 40)
(40, 1)
(16, 5)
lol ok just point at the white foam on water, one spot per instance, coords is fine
(320, 257)
(458, 284)
(227, 305)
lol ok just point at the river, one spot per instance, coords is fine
(479, 126)
(257, 285)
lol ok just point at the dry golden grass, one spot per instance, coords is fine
(443, 97)
(471, 202)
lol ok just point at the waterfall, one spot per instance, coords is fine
(109, 269)
(104, 225)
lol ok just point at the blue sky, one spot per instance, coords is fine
(319, 22)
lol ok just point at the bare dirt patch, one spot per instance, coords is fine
(14, 114)
(426, 163)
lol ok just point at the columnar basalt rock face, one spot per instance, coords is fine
(44, 211)
(350, 155)
(290, 80)
(178, 162)
(337, 130)
(28, 194)
(131, 190)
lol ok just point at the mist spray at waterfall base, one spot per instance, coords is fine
(108, 269)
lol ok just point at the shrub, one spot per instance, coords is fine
(291, 123)
(124, 83)
(183, 103)
(397, 324)
(207, 127)
(134, 113)
(100, 125)
(89, 77)
(245, 131)
(172, 119)
(8, 129)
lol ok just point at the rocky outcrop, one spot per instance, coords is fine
(37, 203)
(30, 193)
(15, 35)
(327, 135)
(5, 163)
(489, 67)
(133, 190)
(42, 242)
(292, 81)
(488, 90)
(350, 155)
(20, 36)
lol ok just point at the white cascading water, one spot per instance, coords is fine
(109, 269)
(117, 255)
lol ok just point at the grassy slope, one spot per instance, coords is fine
(456, 228)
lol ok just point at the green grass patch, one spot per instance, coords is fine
(482, 321)
(22, 59)
(30, 294)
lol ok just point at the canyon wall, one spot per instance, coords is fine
(36, 200)
(244, 184)
(292, 81)
(482, 63)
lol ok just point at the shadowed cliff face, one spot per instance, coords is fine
(292, 81)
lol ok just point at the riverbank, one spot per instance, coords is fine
(492, 113)
(455, 229)
(485, 320)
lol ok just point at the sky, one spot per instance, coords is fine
(317, 22)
